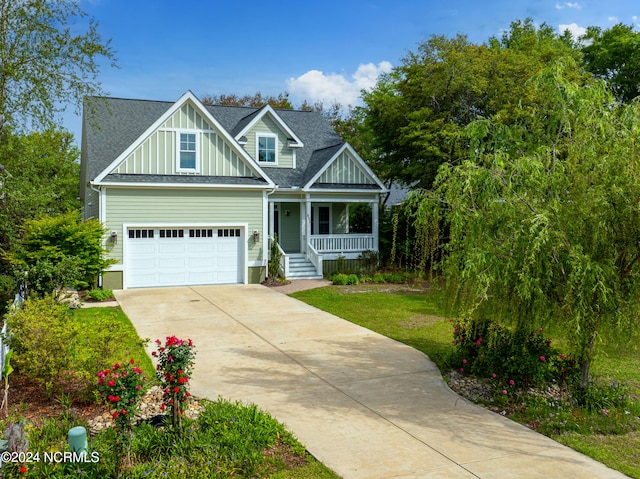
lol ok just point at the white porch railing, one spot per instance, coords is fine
(315, 258)
(342, 243)
(284, 262)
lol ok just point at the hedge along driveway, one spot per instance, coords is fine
(363, 404)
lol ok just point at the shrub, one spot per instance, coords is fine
(53, 349)
(121, 387)
(342, 279)
(61, 251)
(517, 358)
(274, 258)
(339, 279)
(41, 336)
(99, 294)
(175, 360)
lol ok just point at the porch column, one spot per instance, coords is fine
(271, 218)
(307, 222)
(374, 224)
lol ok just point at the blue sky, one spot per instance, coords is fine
(326, 50)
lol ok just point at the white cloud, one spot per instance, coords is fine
(315, 85)
(613, 19)
(575, 29)
(561, 6)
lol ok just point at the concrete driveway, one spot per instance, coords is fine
(365, 405)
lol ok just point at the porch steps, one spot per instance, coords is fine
(301, 268)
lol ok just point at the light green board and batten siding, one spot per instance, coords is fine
(267, 125)
(156, 155)
(183, 207)
(345, 170)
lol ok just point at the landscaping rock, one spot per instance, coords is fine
(148, 407)
(470, 387)
(69, 297)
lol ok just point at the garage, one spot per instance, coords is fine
(183, 256)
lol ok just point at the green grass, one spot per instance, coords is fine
(417, 318)
(97, 323)
(226, 440)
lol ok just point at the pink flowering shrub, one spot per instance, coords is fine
(121, 387)
(175, 360)
(513, 359)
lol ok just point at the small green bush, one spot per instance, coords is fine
(99, 294)
(342, 279)
(41, 335)
(59, 353)
(352, 279)
(339, 279)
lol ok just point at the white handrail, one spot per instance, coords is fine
(315, 258)
(284, 262)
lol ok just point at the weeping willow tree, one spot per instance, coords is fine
(543, 218)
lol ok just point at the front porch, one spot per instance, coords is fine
(310, 232)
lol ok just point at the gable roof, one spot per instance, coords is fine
(112, 126)
(247, 123)
(323, 160)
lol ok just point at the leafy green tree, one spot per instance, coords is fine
(543, 227)
(42, 180)
(256, 101)
(417, 112)
(44, 173)
(61, 250)
(44, 61)
(614, 55)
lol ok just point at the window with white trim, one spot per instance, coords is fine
(267, 148)
(187, 152)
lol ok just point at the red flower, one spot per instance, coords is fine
(23, 470)
(123, 411)
(115, 414)
(111, 383)
(162, 407)
(176, 389)
(131, 361)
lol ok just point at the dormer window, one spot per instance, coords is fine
(187, 153)
(266, 146)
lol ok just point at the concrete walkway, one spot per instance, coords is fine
(365, 405)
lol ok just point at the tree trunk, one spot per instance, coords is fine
(585, 363)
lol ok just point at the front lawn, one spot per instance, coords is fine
(415, 316)
(226, 440)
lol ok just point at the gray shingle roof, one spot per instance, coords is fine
(111, 125)
(191, 179)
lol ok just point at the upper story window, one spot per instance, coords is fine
(267, 149)
(188, 152)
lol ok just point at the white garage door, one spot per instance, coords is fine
(183, 256)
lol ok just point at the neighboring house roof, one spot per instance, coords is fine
(398, 192)
(112, 125)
